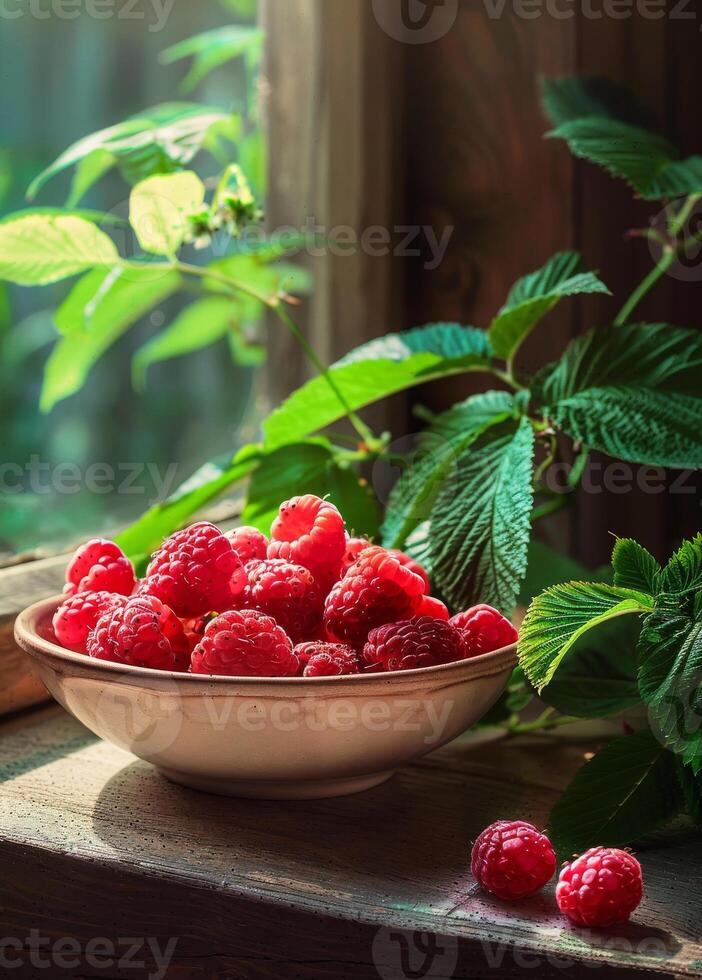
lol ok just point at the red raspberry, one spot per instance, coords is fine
(600, 888)
(434, 608)
(377, 589)
(354, 547)
(320, 659)
(484, 630)
(414, 566)
(196, 571)
(245, 643)
(77, 617)
(310, 532)
(143, 633)
(286, 592)
(100, 566)
(249, 543)
(512, 860)
(418, 642)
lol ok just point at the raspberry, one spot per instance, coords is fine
(249, 543)
(77, 617)
(418, 642)
(310, 532)
(376, 590)
(602, 887)
(288, 593)
(320, 659)
(245, 643)
(413, 566)
(484, 630)
(196, 571)
(434, 608)
(512, 859)
(354, 547)
(100, 566)
(143, 633)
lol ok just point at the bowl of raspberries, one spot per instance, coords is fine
(304, 664)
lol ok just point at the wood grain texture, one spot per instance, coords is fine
(97, 844)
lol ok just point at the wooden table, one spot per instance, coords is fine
(101, 859)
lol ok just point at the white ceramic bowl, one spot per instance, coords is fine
(273, 738)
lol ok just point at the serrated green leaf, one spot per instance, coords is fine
(202, 323)
(683, 573)
(438, 449)
(37, 249)
(635, 567)
(479, 527)
(418, 546)
(375, 370)
(670, 680)
(580, 96)
(630, 391)
(212, 49)
(159, 208)
(143, 537)
(309, 467)
(157, 140)
(535, 295)
(561, 615)
(624, 793)
(99, 309)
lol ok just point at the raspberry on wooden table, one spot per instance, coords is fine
(143, 632)
(602, 887)
(484, 630)
(100, 566)
(245, 643)
(196, 571)
(512, 859)
(249, 543)
(74, 621)
(308, 531)
(321, 659)
(377, 589)
(286, 592)
(418, 642)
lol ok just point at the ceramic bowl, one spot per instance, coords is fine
(271, 738)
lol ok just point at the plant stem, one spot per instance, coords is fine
(544, 723)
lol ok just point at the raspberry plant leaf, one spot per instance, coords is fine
(670, 680)
(580, 96)
(635, 567)
(683, 573)
(37, 249)
(480, 523)
(535, 295)
(624, 793)
(558, 617)
(213, 48)
(159, 208)
(631, 392)
(376, 370)
(438, 449)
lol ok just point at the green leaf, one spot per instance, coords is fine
(212, 49)
(157, 140)
(159, 208)
(309, 467)
(479, 527)
(99, 309)
(691, 786)
(37, 249)
(96, 217)
(535, 295)
(88, 171)
(146, 535)
(438, 448)
(670, 680)
(561, 615)
(580, 96)
(375, 370)
(635, 567)
(624, 793)
(598, 677)
(683, 573)
(418, 546)
(631, 392)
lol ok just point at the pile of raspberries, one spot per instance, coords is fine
(310, 601)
